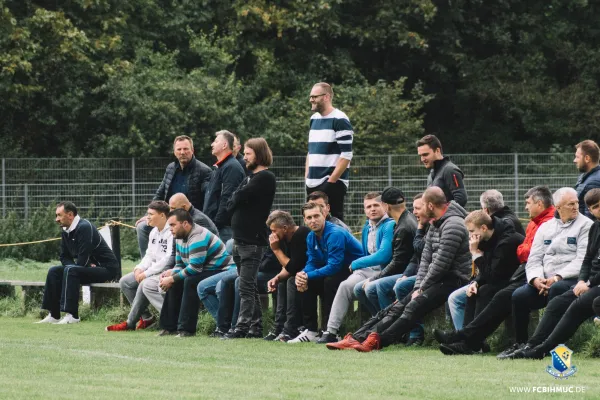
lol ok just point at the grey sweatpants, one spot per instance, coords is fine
(345, 296)
(140, 295)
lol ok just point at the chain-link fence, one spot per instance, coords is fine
(104, 188)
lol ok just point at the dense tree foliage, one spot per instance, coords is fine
(121, 78)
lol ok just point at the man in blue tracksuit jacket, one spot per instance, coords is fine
(377, 235)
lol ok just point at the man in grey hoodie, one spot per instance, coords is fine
(445, 266)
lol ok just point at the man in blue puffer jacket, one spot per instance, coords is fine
(586, 160)
(377, 235)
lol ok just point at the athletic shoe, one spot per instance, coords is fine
(271, 336)
(184, 334)
(235, 335)
(217, 333)
(282, 337)
(254, 335)
(527, 352)
(68, 319)
(372, 342)
(458, 348)
(597, 321)
(327, 337)
(415, 341)
(48, 320)
(345, 344)
(164, 332)
(145, 323)
(446, 337)
(510, 350)
(305, 337)
(118, 327)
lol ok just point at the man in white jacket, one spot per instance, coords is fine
(141, 286)
(553, 266)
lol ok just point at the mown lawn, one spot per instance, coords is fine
(84, 361)
(28, 270)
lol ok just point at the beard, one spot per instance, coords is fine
(581, 168)
(251, 166)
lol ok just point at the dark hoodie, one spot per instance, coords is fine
(509, 216)
(448, 177)
(446, 253)
(499, 260)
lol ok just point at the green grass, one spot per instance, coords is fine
(76, 361)
(28, 270)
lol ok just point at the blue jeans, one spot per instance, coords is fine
(457, 301)
(207, 291)
(378, 294)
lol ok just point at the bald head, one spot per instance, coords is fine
(435, 202)
(179, 200)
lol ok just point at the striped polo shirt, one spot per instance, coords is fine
(201, 250)
(330, 139)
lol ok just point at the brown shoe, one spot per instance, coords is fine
(347, 343)
(165, 332)
(372, 342)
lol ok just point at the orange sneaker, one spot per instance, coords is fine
(372, 342)
(145, 323)
(348, 342)
(119, 327)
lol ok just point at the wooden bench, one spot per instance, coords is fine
(30, 290)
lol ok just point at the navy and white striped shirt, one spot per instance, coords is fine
(330, 139)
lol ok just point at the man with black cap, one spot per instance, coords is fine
(377, 292)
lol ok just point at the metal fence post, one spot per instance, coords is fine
(389, 170)
(517, 182)
(133, 187)
(26, 201)
(3, 188)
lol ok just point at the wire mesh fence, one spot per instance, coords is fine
(123, 187)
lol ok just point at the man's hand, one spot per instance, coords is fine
(474, 244)
(415, 294)
(142, 219)
(365, 283)
(166, 273)
(92, 265)
(166, 283)
(472, 289)
(540, 285)
(580, 288)
(272, 284)
(274, 242)
(140, 277)
(301, 279)
(552, 280)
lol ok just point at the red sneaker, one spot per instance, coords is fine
(145, 323)
(119, 327)
(372, 342)
(347, 343)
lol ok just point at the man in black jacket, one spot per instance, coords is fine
(187, 175)
(565, 313)
(85, 258)
(444, 174)
(249, 208)
(224, 180)
(493, 244)
(382, 284)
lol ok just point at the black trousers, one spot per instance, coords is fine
(401, 317)
(326, 288)
(477, 303)
(336, 193)
(287, 316)
(182, 304)
(563, 315)
(61, 292)
(596, 306)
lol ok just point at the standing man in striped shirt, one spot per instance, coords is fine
(329, 149)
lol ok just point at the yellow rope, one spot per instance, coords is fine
(112, 222)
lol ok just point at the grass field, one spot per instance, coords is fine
(28, 270)
(83, 361)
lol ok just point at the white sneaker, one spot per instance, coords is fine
(68, 319)
(305, 337)
(48, 320)
(597, 321)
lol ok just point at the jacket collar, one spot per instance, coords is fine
(585, 175)
(219, 163)
(437, 164)
(188, 165)
(73, 224)
(544, 215)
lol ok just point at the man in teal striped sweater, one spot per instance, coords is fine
(199, 255)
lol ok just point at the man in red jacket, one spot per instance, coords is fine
(538, 202)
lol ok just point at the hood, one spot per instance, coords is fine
(454, 210)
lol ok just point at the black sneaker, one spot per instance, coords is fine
(451, 349)
(531, 353)
(271, 336)
(416, 341)
(217, 334)
(446, 337)
(504, 355)
(254, 335)
(327, 337)
(235, 335)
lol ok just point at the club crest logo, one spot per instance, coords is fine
(562, 366)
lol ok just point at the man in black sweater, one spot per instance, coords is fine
(566, 312)
(85, 258)
(224, 180)
(288, 243)
(249, 208)
(187, 175)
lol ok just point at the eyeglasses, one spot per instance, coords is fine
(316, 96)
